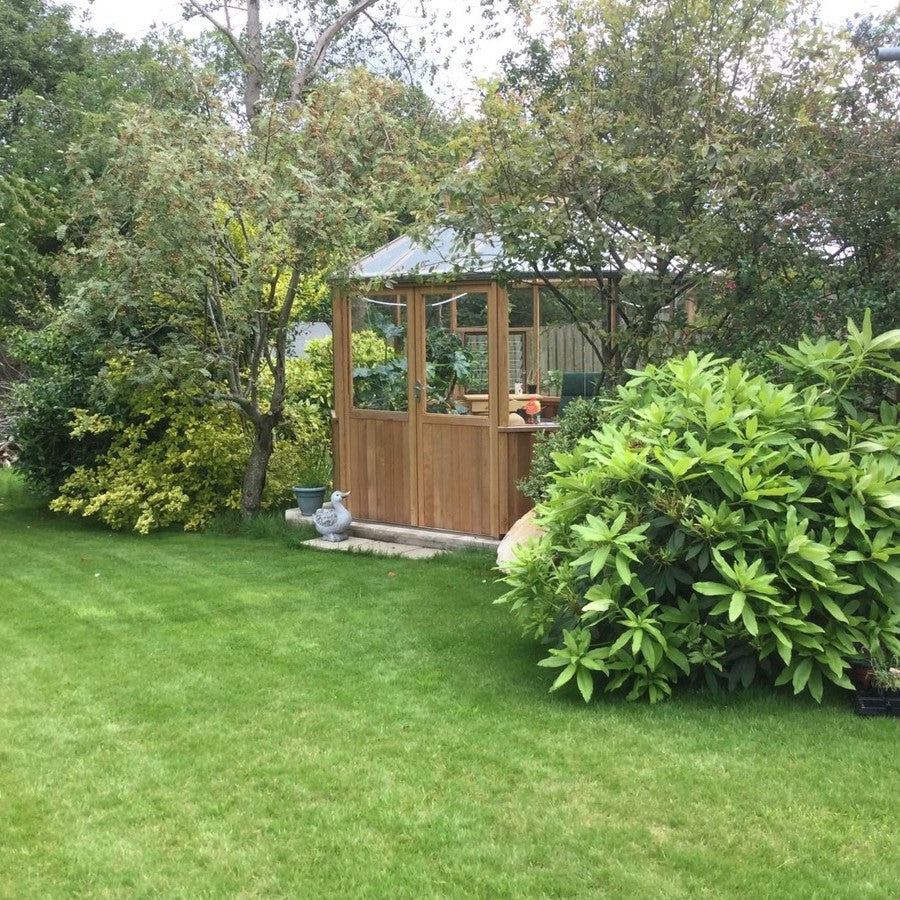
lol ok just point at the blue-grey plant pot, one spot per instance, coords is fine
(309, 499)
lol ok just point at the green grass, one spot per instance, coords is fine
(214, 715)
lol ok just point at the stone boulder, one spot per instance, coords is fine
(524, 530)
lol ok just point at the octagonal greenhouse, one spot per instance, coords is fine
(451, 375)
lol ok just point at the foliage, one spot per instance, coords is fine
(379, 374)
(886, 677)
(315, 470)
(167, 459)
(311, 377)
(448, 363)
(381, 382)
(64, 365)
(58, 85)
(688, 147)
(139, 455)
(168, 463)
(580, 417)
(849, 204)
(264, 63)
(228, 237)
(724, 526)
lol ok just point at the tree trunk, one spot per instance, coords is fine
(257, 465)
(253, 84)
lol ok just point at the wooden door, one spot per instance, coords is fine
(381, 437)
(455, 478)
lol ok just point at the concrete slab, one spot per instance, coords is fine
(404, 534)
(423, 537)
(382, 548)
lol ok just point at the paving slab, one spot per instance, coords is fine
(382, 548)
(406, 535)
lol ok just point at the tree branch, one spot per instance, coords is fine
(394, 47)
(316, 57)
(226, 30)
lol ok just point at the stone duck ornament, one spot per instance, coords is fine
(333, 523)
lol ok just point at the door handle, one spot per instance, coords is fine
(418, 389)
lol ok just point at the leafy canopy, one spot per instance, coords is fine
(684, 147)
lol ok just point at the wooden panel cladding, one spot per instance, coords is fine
(516, 448)
(456, 484)
(336, 469)
(380, 468)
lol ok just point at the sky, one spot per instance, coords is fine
(134, 18)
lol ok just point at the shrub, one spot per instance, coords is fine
(163, 458)
(303, 446)
(175, 462)
(134, 452)
(62, 368)
(310, 378)
(169, 461)
(579, 419)
(725, 527)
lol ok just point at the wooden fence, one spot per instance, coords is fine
(564, 349)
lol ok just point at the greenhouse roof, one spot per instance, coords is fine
(441, 253)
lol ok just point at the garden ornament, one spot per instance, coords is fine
(333, 523)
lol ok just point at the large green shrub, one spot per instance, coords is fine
(725, 527)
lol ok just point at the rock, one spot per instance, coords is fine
(524, 530)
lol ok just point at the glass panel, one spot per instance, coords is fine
(476, 343)
(380, 368)
(456, 359)
(521, 307)
(471, 310)
(518, 364)
(570, 362)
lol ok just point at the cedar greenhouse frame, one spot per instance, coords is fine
(455, 469)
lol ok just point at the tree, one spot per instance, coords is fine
(676, 143)
(56, 85)
(850, 209)
(203, 242)
(286, 57)
(38, 50)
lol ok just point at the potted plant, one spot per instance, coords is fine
(551, 382)
(312, 482)
(881, 696)
(862, 670)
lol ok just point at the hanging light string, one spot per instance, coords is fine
(438, 303)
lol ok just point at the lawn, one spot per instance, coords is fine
(212, 715)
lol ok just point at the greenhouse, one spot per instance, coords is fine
(452, 373)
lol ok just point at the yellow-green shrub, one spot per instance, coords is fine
(173, 461)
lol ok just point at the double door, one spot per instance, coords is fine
(415, 446)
